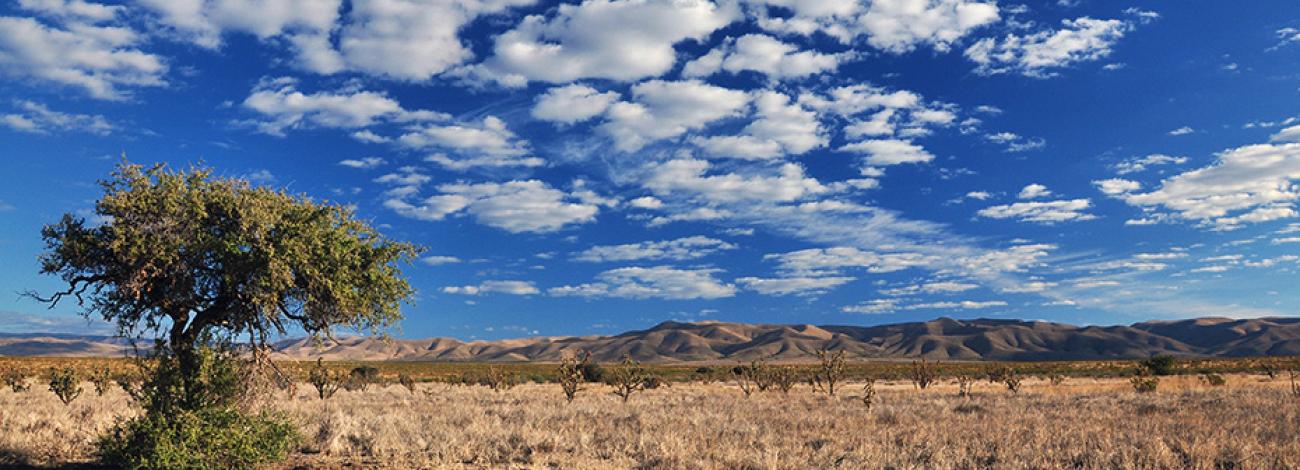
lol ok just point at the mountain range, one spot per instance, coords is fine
(676, 342)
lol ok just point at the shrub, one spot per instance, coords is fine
(1295, 386)
(869, 393)
(830, 371)
(101, 378)
(1012, 380)
(923, 373)
(783, 378)
(705, 375)
(751, 377)
(628, 378)
(1213, 379)
(207, 438)
(964, 384)
(1269, 368)
(499, 380)
(360, 378)
(16, 380)
(65, 384)
(653, 382)
(326, 383)
(593, 372)
(407, 382)
(996, 374)
(1144, 383)
(1056, 378)
(570, 375)
(1158, 365)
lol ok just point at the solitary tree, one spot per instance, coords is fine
(186, 254)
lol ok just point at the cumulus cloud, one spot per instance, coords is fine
(1039, 54)
(510, 287)
(515, 206)
(1140, 164)
(1034, 191)
(36, 118)
(780, 128)
(283, 107)
(886, 152)
(894, 26)
(662, 110)
(762, 54)
(881, 306)
(799, 285)
(679, 249)
(100, 60)
(365, 163)
(621, 41)
(488, 143)
(659, 282)
(1045, 212)
(687, 177)
(572, 103)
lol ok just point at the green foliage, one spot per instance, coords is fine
(16, 380)
(65, 384)
(593, 372)
(101, 378)
(208, 438)
(1158, 365)
(326, 383)
(1144, 383)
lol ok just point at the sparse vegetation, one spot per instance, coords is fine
(16, 380)
(570, 375)
(325, 382)
(102, 379)
(1158, 365)
(1012, 380)
(1056, 378)
(784, 378)
(750, 378)
(1213, 379)
(65, 384)
(499, 380)
(830, 371)
(1144, 383)
(628, 378)
(923, 373)
(1295, 385)
(406, 382)
(964, 384)
(869, 393)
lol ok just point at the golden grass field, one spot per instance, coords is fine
(1085, 422)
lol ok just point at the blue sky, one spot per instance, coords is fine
(594, 167)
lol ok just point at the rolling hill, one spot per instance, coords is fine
(674, 342)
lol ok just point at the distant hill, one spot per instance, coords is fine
(673, 342)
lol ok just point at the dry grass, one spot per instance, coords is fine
(1083, 423)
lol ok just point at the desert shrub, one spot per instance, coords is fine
(1213, 379)
(628, 378)
(923, 373)
(206, 438)
(65, 384)
(499, 380)
(869, 393)
(593, 372)
(704, 375)
(830, 370)
(1056, 378)
(16, 380)
(1269, 368)
(752, 377)
(1144, 383)
(407, 382)
(101, 378)
(1158, 365)
(996, 374)
(964, 384)
(195, 418)
(653, 382)
(783, 378)
(570, 375)
(1012, 380)
(360, 378)
(1295, 386)
(326, 383)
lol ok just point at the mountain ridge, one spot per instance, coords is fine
(686, 342)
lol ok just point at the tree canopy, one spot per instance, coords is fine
(184, 252)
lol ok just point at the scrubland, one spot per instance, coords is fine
(1252, 421)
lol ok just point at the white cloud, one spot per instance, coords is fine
(664, 110)
(99, 60)
(488, 143)
(439, 260)
(936, 287)
(1290, 134)
(1182, 131)
(763, 54)
(894, 26)
(1244, 185)
(1034, 191)
(510, 287)
(1046, 212)
(622, 41)
(687, 177)
(1117, 186)
(515, 206)
(886, 152)
(780, 128)
(880, 306)
(73, 10)
(365, 163)
(800, 285)
(572, 103)
(1138, 164)
(646, 202)
(679, 249)
(1037, 54)
(284, 107)
(37, 118)
(660, 282)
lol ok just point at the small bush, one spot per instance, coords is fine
(65, 384)
(924, 373)
(1158, 365)
(326, 383)
(1144, 383)
(407, 382)
(1269, 368)
(1056, 379)
(1213, 379)
(869, 393)
(16, 380)
(628, 378)
(360, 378)
(101, 378)
(209, 438)
(570, 375)
(751, 378)
(783, 378)
(1295, 386)
(964, 384)
(499, 380)
(1012, 380)
(593, 372)
(830, 371)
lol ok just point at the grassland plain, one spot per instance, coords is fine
(1252, 421)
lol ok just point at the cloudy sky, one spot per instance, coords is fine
(593, 167)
